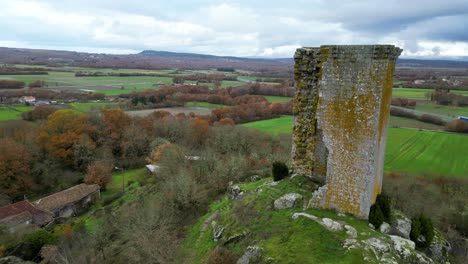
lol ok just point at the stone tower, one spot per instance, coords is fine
(341, 109)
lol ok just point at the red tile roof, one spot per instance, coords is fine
(10, 214)
(65, 197)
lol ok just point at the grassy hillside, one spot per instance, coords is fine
(284, 239)
(408, 150)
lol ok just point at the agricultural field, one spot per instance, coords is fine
(426, 152)
(408, 150)
(274, 127)
(86, 107)
(64, 78)
(271, 98)
(452, 111)
(205, 105)
(396, 121)
(12, 112)
(109, 85)
(172, 110)
(421, 94)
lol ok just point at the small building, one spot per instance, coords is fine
(70, 202)
(153, 168)
(40, 103)
(22, 214)
(27, 99)
(193, 158)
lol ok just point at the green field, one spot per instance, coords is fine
(271, 98)
(205, 105)
(415, 93)
(12, 112)
(396, 121)
(275, 126)
(408, 150)
(86, 107)
(426, 152)
(452, 111)
(64, 78)
(109, 85)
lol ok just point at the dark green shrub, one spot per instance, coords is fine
(39, 238)
(422, 226)
(376, 216)
(280, 170)
(384, 202)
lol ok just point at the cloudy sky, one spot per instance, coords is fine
(429, 28)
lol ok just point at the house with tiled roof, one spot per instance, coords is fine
(71, 201)
(22, 214)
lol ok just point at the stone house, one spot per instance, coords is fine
(70, 202)
(23, 214)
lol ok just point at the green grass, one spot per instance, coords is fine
(396, 121)
(278, 98)
(115, 186)
(408, 150)
(282, 238)
(225, 84)
(12, 112)
(204, 105)
(415, 93)
(275, 126)
(86, 107)
(114, 83)
(452, 111)
(426, 152)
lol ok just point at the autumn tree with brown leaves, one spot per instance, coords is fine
(61, 132)
(99, 172)
(14, 168)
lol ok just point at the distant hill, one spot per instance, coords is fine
(148, 59)
(156, 60)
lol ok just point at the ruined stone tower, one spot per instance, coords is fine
(341, 109)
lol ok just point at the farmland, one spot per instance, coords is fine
(12, 112)
(452, 111)
(64, 79)
(408, 150)
(278, 98)
(421, 94)
(275, 126)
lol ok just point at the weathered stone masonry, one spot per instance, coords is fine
(341, 109)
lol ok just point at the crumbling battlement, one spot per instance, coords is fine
(341, 109)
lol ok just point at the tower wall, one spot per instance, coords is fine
(341, 109)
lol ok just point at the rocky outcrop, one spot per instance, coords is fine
(287, 201)
(439, 248)
(217, 231)
(384, 228)
(401, 225)
(252, 255)
(234, 191)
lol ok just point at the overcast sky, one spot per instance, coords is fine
(429, 28)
